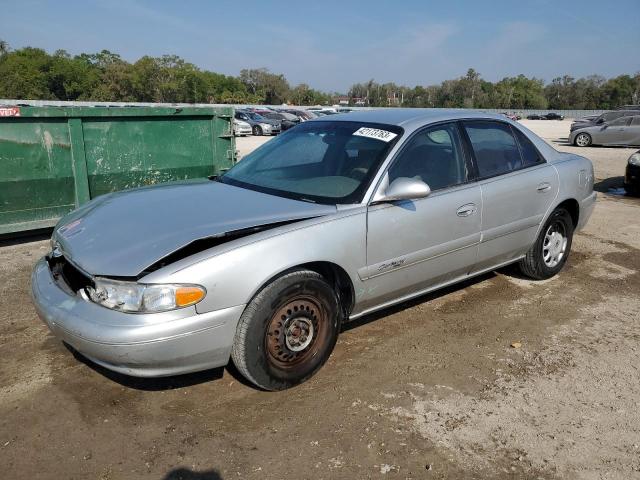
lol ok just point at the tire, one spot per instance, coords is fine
(549, 253)
(288, 331)
(582, 140)
(257, 130)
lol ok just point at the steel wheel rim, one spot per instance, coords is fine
(582, 140)
(296, 332)
(554, 245)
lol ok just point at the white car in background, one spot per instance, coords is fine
(240, 128)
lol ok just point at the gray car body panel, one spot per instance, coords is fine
(389, 251)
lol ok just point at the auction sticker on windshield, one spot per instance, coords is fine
(375, 133)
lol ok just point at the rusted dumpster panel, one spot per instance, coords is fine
(53, 159)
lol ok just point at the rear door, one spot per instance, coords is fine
(518, 188)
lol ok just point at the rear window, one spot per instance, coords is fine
(530, 155)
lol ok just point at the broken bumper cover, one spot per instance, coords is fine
(142, 345)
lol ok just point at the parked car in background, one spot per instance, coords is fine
(288, 115)
(623, 131)
(546, 116)
(285, 123)
(632, 175)
(259, 124)
(601, 119)
(332, 220)
(303, 115)
(553, 116)
(241, 128)
(510, 116)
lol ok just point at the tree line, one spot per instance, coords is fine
(510, 93)
(32, 73)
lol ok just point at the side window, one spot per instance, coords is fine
(494, 147)
(530, 155)
(434, 156)
(620, 122)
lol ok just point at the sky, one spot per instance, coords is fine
(332, 44)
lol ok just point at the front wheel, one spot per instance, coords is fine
(288, 331)
(583, 140)
(549, 253)
(257, 130)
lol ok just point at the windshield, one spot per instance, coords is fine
(325, 162)
(255, 116)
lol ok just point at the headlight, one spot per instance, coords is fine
(144, 298)
(266, 125)
(635, 159)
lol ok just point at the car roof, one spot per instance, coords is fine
(409, 118)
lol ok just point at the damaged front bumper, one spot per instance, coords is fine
(142, 345)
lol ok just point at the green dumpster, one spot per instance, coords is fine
(53, 159)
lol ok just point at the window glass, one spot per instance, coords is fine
(433, 156)
(494, 147)
(327, 162)
(530, 155)
(620, 122)
(607, 117)
(301, 150)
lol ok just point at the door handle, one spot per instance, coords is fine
(466, 210)
(544, 187)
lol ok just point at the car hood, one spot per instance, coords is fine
(121, 234)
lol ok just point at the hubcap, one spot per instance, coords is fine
(554, 245)
(582, 140)
(294, 332)
(298, 334)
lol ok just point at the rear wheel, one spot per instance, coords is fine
(257, 130)
(288, 331)
(583, 140)
(549, 253)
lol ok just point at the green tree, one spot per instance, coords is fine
(23, 74)
(272, 88)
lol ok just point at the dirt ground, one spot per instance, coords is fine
(429, 389)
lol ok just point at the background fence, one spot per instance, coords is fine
(522, 112)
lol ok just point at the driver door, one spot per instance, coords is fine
(617, 132)
(413, 245)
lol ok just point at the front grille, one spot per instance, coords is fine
(67, 275)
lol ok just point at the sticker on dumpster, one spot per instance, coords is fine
(375, 133)
(9, 111)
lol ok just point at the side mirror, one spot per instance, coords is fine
(605, 126)
(402, 188)
(600, 121)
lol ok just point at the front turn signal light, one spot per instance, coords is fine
(186, 296)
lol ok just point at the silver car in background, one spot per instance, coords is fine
(241, 128)
(623, 131)
(334, 219)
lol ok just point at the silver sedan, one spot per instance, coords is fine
(335, 219)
